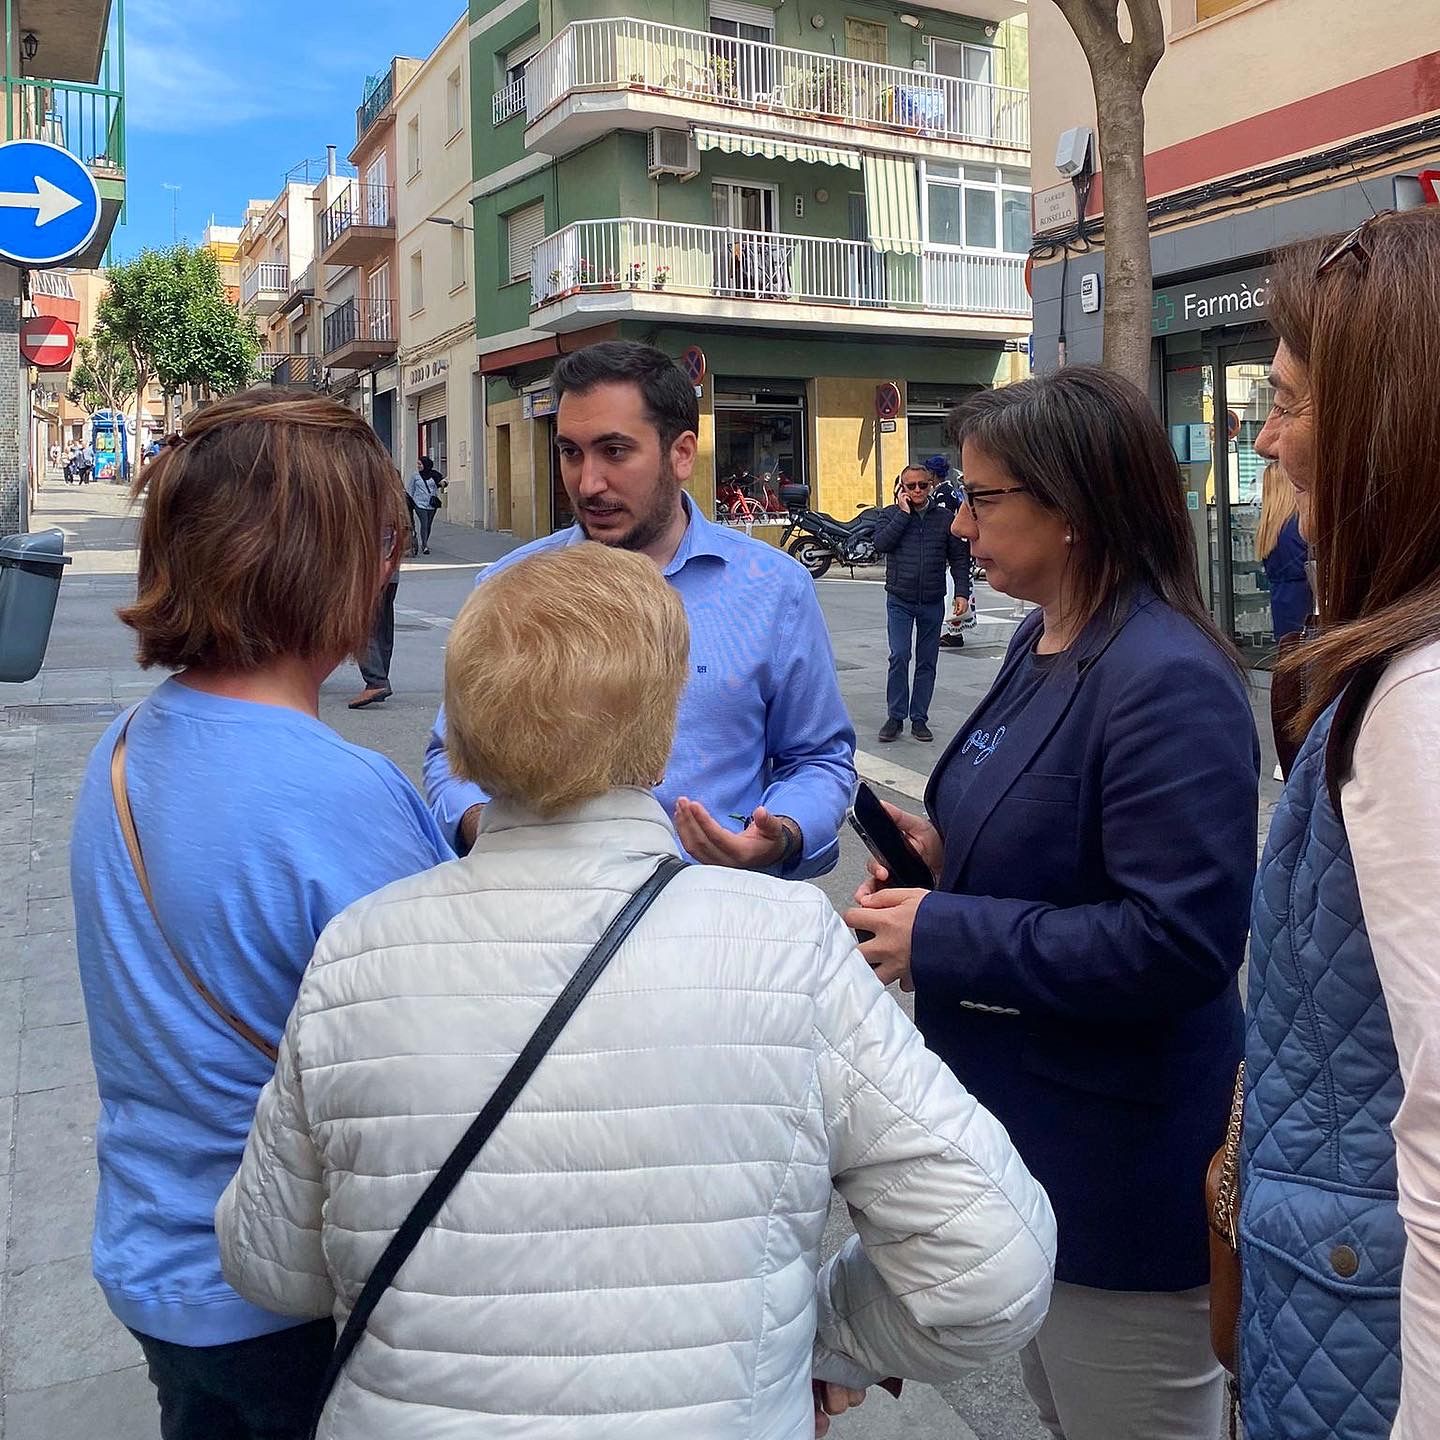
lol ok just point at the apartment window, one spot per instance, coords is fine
(412, 147)
(976, 207)
(742, 22)
(457, 258)
(509, 98)
(417, 282)
(454, 106)
(524, 230)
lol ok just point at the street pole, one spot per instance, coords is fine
(174, 210)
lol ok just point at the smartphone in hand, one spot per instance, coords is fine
(887, 843)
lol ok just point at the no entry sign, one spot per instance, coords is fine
(47, 343)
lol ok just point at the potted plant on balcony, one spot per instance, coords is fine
(820, 91)
(584, 271)
(611, 281)
(556, 283)
(635, 275)
(662, 274)
(722, 71)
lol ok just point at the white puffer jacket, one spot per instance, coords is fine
(635, 1252)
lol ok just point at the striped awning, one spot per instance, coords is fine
(730, 142)
(892, 204)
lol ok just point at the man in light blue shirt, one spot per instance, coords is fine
(764, 761)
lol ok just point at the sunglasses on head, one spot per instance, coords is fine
(1351, 244)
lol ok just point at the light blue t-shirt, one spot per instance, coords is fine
(258, 824)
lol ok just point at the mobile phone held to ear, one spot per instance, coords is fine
(887, 843)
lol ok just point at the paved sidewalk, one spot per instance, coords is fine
(67, 1368)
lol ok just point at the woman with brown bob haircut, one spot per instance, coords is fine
(219, 828)
(1340, 1211)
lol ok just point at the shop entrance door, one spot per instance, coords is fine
(1243, 402)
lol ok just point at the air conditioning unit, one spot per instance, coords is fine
(672, 152)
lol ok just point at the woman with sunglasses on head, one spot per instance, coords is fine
(1091, 832)
(1340, 1219)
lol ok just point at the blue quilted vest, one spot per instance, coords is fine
(1321, 1240)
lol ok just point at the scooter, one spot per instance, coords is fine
(820, 540)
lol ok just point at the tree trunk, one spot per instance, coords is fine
(1128, 275)
(1120, 69)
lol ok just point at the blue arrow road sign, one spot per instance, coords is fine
(49, 203)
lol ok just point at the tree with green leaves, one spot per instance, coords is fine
(168, 309)
(103, 377)
(1120, 69)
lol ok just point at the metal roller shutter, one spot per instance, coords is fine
(432, 404)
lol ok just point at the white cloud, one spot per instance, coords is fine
(183, 93)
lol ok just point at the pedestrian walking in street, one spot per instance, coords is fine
(1091, 832)
(72, 464)
(374, 659)
(219, 827)
(764, 761)
(1284, 553)
(1339, 1236)
(423, 490)
(638, 1244)
(86, 464)
(914, 535)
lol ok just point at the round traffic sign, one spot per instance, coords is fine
(46, 342)
(887, 400)
(693, 363)
(49, 203)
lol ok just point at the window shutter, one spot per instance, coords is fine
(521, 53)
(525, 230)
(761, 15)
(432, 405)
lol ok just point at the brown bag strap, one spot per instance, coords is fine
(137, 860)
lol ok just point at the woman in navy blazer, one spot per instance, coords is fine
(1092, 834)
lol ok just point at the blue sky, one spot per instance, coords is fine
(224, 98)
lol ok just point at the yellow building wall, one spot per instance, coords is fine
(852, 463)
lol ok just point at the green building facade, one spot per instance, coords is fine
(811, 203)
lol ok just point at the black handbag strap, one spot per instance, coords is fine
(427, 1207)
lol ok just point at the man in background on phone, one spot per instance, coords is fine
(764, 760)
(915, 538)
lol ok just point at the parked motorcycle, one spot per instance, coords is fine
(820, 540)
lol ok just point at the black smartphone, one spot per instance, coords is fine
(886, 842)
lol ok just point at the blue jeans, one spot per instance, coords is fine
(901, 618)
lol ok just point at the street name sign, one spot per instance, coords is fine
(49, 203)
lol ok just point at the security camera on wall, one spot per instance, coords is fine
(1072, 154)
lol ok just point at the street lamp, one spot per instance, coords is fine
(29, 45)
(446, 220)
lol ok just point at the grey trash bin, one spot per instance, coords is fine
(30, 571)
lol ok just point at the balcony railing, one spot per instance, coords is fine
(359, 203)
(269, 278)
(86, 120)
(509, 102)
(370, 321)
(267, 360)
(724, 264)
(369, 111)
(749, 75)
(297, 370)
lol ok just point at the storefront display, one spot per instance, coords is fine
(759, 444)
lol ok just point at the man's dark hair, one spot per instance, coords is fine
(670, 404)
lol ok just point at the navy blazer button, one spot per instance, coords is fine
(1344, 1261)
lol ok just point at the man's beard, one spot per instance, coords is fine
(651, 523)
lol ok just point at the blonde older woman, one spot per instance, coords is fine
(636, 1250)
